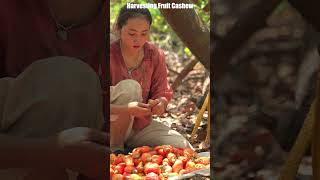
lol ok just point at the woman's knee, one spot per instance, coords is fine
(52, 95)
(128, 91)
(177, 140)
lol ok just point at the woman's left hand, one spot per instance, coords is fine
(158, 106)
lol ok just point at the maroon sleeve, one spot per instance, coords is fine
(3, 34)
(160, 86)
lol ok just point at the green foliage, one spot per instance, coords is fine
(187, 51)
(161, 32)
(281, 7)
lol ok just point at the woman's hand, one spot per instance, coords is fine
(158, 106)
(139, 109)
(83, 150)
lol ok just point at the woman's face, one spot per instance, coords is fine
(135, 33)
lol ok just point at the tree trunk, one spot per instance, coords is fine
(190, 29)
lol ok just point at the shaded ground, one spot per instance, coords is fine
(182, 110)
(268, 89)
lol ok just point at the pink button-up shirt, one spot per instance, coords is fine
(151, 74)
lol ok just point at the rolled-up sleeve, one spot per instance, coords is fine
(160, 86)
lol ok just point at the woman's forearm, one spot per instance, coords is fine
(19, 152)
(118, 109)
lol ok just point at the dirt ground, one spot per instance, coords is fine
(269, 87)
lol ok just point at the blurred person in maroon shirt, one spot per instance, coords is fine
(52, 63)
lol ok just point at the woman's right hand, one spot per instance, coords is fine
(139, 109)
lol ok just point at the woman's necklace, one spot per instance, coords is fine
(62, 31)
(136, 60)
